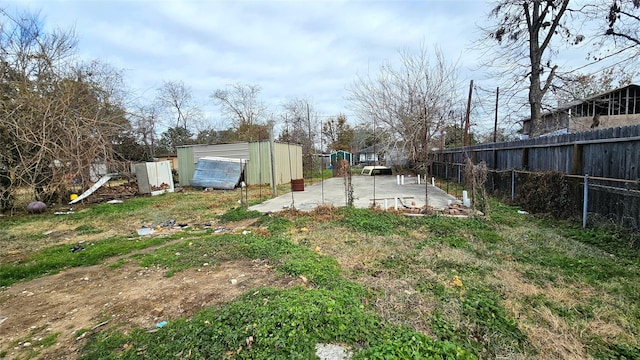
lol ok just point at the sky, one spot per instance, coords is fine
(306, 49)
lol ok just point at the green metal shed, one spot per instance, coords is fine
(288, 160)
(341, 155)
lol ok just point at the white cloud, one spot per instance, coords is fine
(310, 49)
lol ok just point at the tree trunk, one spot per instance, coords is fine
(535, 54)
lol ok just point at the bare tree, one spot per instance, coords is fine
(410, 101)
(240, 104)
(144, 119)
(177, 100)
(525, 31)
(301, 120)
(59, 120)
(617, 31)
(578, 86)
(623, 20)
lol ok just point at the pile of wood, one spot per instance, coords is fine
(110, 192)
(163, 186)
(458, 209)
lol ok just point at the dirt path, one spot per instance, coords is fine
(80, 299)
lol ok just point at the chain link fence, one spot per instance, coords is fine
(594, 200)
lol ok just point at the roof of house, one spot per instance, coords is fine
(571, 104)
(371, 149)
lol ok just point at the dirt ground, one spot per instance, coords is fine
(80, 301)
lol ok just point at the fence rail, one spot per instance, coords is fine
(609, 153)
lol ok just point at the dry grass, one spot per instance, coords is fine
(547, 332)
(555, 327)
(559, 314)
(30, 233)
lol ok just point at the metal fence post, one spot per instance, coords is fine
(586, 200)
(513, 184)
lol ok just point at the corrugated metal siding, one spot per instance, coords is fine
(186, 166)
(259, 167)
(233, 151)
(288, 162)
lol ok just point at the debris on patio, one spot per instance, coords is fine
(458, 209)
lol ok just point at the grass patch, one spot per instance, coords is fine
(237, 214)
(274, 324)
(87, 230)
(528, 287)
(371, 221)
(215, 249)
(505, 215)
(614, 241)
(290, 258)
(276, 225)
(130, 207)
(53, 259)
(569, 313)
(485, 326)
(577, 261)
(37, 344)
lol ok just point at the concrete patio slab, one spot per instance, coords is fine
(384, 190)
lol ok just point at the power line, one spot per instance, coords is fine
(603, 58)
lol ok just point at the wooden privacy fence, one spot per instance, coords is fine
(600, 171)
(610, 153)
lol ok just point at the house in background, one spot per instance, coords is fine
(615, 108)
(393, 155)
(371, 155)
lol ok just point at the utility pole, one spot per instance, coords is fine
(466, 125)
(153, 130)
(310, 147)
(495, 123)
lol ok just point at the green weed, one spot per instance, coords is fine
(215, 249)
(372, 222)
(237, 214)
(603, 350)
(506, 215)
(277, 225)
(579, 311)
(490, 236)
(48, 340)
(406, 344)
(614, 241)
(428, 286)
(272, 324)
(486, 327)
(87, 230)
(107, 212)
